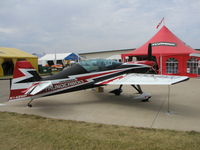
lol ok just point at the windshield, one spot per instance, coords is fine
(93, 65)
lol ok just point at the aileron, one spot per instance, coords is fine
(148, 79)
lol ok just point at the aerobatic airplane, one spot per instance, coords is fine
(28, 85)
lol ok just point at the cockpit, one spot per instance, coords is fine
(94, 65)
(86, 66)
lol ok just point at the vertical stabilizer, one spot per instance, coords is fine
(24, 77)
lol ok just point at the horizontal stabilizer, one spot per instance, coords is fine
(37, 88)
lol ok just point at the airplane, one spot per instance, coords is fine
(28, 85)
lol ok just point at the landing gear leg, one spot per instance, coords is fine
(118, 91)
(29, 103)
(137, 88)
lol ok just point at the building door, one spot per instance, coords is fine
(8, 67)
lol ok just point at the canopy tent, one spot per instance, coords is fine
(115, 57)
(9, 56)
(58, 58)
(171, 54)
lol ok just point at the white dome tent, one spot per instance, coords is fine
(58, 58)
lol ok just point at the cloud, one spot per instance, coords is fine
(91, 25)
(7, 30)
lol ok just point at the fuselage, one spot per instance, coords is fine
(89, 74)
(84, 75)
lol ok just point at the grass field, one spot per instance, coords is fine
(34, 133)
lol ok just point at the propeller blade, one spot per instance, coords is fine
(149, 52)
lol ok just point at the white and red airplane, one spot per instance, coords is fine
(28, 85)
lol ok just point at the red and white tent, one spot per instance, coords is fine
(172, 55)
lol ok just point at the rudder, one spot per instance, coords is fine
(24, 77)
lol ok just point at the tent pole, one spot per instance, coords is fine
(168, 106)
(161, 64)
(197, 66)
(55, 63)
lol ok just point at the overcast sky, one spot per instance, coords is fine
(94, 25)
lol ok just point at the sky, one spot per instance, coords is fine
(48, 26)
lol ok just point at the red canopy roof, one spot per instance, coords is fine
(163, 42)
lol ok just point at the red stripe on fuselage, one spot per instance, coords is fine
(106, 82)
(16, 94)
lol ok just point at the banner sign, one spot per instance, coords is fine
(164, 44)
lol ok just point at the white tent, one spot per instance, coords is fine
(57, 58)
(117, 57)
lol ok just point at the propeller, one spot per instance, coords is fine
(149, 52)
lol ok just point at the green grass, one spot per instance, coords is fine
(34, 133)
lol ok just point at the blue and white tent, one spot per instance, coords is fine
(58, 58)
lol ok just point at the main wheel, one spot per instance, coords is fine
(117, 92)
(145, 100)
(29, 105)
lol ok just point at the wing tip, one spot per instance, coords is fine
(185, 79)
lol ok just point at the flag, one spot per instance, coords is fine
(160, 23)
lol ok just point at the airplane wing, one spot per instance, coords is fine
(144, 79)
